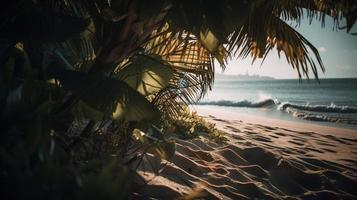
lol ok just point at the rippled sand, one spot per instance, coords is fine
(258, 162)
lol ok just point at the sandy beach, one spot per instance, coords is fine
(261, 159)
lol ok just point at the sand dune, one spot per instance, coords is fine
(258, 162)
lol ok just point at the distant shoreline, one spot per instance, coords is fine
(258, 77)
(313, 79)
(244, 77)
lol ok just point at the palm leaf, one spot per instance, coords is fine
(114, 98)
(265, 34)
(192, 64)
(263, 30)
(146, 74)
(297, 9)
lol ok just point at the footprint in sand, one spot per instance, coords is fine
(354, 162)
(274, 136)
(261, 139)
(296, 143)
(237, 137)
(329, 150)
(334, 138)
(324, 143)
(279, 134)
(231, 128)
(250, 132)
(314, 149)
(267, 128)
(299, 139)
(350, 140)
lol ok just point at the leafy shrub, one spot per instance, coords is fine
(78, 77)
(191, 125)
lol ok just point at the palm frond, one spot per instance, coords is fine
(297, 9)
(192, 65)
(259, 39)
(264, 30)
(296, 48)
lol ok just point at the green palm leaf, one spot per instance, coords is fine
(114, 98)
(192, 64)
(146, 74)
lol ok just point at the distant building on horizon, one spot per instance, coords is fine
(243, 77)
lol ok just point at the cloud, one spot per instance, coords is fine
(322, 49)
(354, 51)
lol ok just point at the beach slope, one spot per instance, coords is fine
(260, 161)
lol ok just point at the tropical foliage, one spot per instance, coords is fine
(80, 74)
(190, 125)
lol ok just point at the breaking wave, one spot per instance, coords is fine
(320, 108)
(322, 113)
(243, 103)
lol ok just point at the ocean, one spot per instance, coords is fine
(332, 102)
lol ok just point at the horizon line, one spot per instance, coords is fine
(311, 78)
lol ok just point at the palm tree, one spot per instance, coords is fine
(210, 30)
(183, 36)
(133, 61)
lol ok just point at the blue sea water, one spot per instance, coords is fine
(332, 102)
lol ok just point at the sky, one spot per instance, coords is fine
(337, 49)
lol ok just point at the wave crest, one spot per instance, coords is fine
(322, 113)
(320, 108)
(243, 103)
